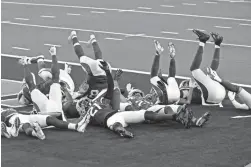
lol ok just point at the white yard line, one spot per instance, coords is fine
(245, 24)
(190, 29)
(245, 116)
(115, 33)
(222, 27)
(73, 14)
(144, 8)
(120, 10)
(47, 44)
(167, 6)
(10, 80)
(19, 48)
(125, 70)
(211, 2)
(25, 19)
(189, 4)
(43, 16)
(167, 32)
(115, 39)
(97, 12)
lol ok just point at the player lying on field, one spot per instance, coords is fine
(96, 78)
(12, 122)
(167, 90)
(103, 114)
(46, 76)
(243, 95)
(42, 104)
(201, 89)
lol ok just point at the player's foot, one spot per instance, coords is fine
(202, 120)
(158, 47)
(15, 127)
(39, 132)
(81, 126)
(72, 35)
(92, 39)
(203, 37)
(120, 130)
(217, 38)
(171, 49)
(213, 74)
(4, 131)
(184, 116)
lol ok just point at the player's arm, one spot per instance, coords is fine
(231, 96)
(69, 100)
(109, 92)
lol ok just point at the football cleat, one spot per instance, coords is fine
(202, 120)
(82, 124)
(203, 37)
(92, 39)
(4, 130)
(213, 74)
(14, 131)
(158, 47)
(171, 49)
(184, 116)
(39, 132)
(120, 130)
(72, 35)
(217, 38)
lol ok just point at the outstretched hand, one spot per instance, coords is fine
(104, 65)
(118, 74)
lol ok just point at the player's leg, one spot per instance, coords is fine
(117, 124)
(216, 57)
(96, 48)
(55, 90)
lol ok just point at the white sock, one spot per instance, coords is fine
(217, 46)
(202, 44)
(72, 126)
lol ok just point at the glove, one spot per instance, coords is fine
(104, 66)
(158, 47)
(231, 95)
(53, 50)
(118, 74)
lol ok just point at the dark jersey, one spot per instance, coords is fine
(141, 104)
(100, 114)
(96, 84)
(196, 97)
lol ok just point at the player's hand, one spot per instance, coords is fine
(53, 50)
(129, 87)
(118, 74)
(231, 95)
(104, 65)
(158, 47)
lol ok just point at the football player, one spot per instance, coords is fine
(244, 96)
(168, 91)
(97, 80)
(40, 101)
(32, 124)
(45, 74)
(103, 114)
(201, 89)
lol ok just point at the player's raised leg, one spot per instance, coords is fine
(96, 48)
(216, 57)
